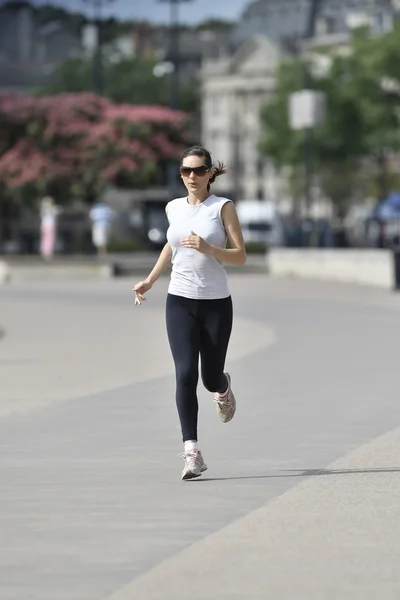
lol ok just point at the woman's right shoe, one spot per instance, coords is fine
(226, 403)
(194, 464)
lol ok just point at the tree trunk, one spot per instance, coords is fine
(383, 175)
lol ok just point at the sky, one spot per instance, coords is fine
(155, 11)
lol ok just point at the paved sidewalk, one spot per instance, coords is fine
(333, 536)
(300, 500)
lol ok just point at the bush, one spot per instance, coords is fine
(256, 247)
(125, 245)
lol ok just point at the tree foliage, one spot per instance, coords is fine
(215, 24)
(362, 125)
(72, 21)
(76, 144)
(129, 80)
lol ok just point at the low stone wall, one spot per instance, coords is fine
(4, 272)
(137, 265)
(39, 271)
(85, 272)
(369, 267)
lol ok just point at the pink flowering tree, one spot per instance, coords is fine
(77, 144)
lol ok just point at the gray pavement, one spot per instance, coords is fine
(300, 500)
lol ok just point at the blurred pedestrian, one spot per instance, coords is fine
(199, 309)
(48, 227)
(101, 216)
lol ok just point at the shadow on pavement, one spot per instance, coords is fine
(301, 473)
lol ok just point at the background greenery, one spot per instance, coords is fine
(354, 150)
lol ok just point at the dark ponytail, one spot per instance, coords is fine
(203, 153)
(217, 171)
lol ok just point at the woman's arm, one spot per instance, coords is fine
(144, 286)
(162, 263)
(236, 254)
(164, 260)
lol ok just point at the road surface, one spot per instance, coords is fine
(301, 497)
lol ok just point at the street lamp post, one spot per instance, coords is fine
(174, 51)
(312, 18)
(98, 6)
(174, 60)
(306, 109)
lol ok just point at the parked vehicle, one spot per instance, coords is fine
(149, 223)
(260, 222)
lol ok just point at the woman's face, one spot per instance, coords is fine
(195, 174)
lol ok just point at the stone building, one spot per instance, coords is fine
(234, 90)
(287, 19)
(30, 52)
(235, 87)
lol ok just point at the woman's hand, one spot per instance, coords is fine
(140, 289)
(196, 242)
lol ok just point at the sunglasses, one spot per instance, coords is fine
(200, 171)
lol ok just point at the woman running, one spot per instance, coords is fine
(199, 310)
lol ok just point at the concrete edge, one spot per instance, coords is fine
(372, 267)
(259, 544)
(5, 274)
(107, 268)
(49, 272)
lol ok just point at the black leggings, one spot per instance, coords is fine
(197, 328)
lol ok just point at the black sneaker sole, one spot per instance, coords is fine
(190, 475)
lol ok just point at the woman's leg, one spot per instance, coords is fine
(216, 322)
(184, 338)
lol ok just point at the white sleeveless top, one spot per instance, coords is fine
(194, 274)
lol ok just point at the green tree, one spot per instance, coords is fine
(362, 127)
(375, 71)
(215, 25)
(279, 141)
(128, 80)
(48, 13)
(77, 144)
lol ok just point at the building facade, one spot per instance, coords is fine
(234, 90)
(287, 19)
(29, 51)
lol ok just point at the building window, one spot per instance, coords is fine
(214, 142)
(216, 104)
(326, 25)
(260, 166)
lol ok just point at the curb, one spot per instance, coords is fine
(5, 274)
(61, 269)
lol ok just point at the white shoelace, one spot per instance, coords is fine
(189, 457)
(224, 401)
